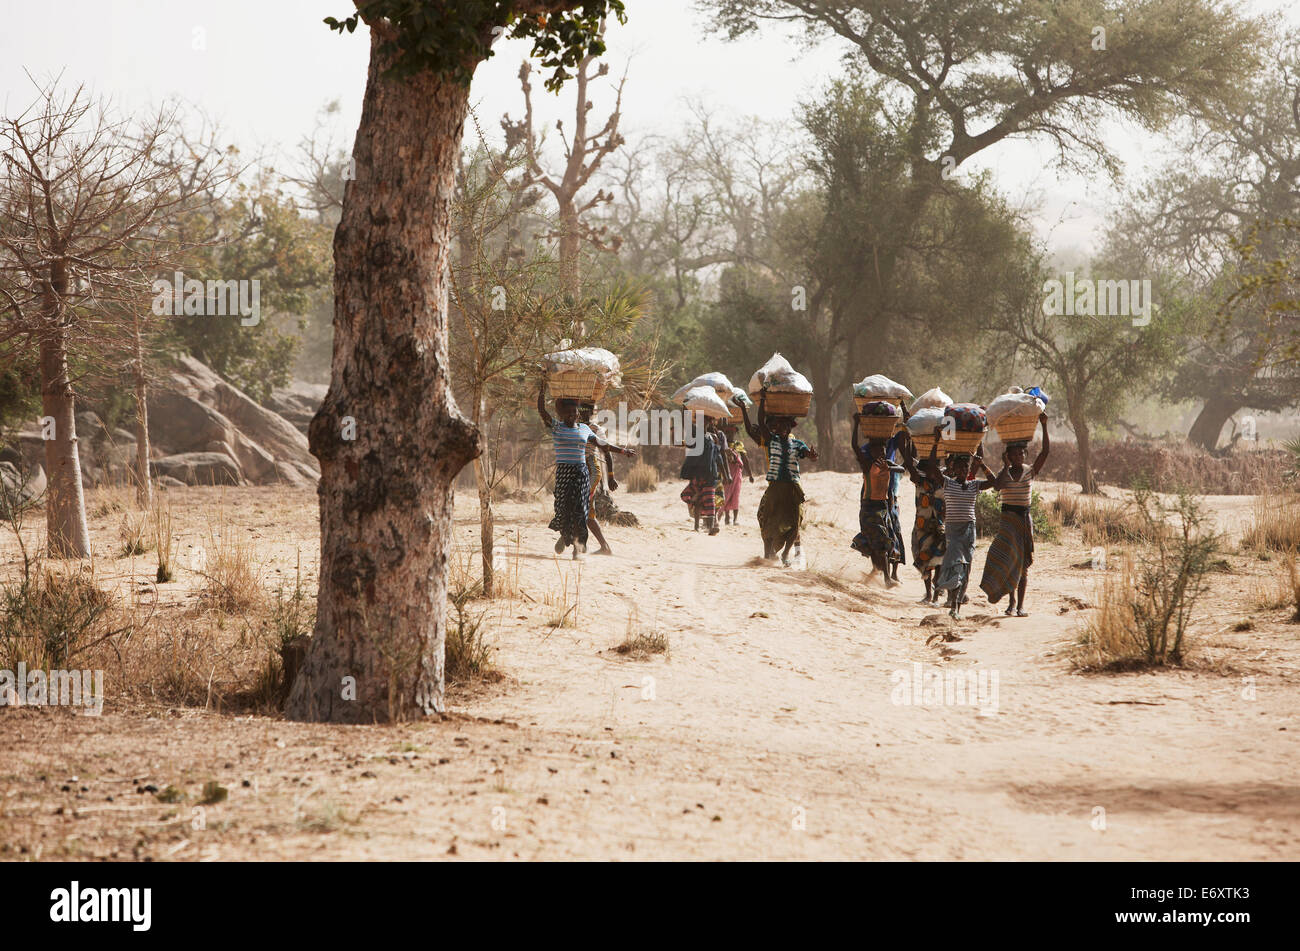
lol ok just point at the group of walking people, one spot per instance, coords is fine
(942, 537)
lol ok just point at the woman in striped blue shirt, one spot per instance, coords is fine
(780, 511)
(572, 486)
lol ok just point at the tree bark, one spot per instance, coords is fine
(1210, 421)
(486, 516)
(386, 495)
(65, 512)
(143, 484)
(1083, 437)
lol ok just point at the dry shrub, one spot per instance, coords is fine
(1169, 467)
(1104, 522)
(1276, 524)
(1145, 611)
(642, 477)
(164, 540)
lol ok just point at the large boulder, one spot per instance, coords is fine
(298, 402)
(193, 410)
(197, 468)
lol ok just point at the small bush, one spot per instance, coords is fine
(1144, 611)
(642, 477)
(988, 514)
(468, 655)
(47, 618)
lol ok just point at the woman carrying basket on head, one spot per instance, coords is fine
(780, 512)
(1006, 569)
(572, 480)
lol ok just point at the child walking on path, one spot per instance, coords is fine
(737, 462)
(959, 493)
(572, 481)
(928, 544)
(780, 511)
(599, 466)
(1006, 569)
(876, 538)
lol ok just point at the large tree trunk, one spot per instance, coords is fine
(828, 447)
(1210, 421)
(65, 510)
(143, 485)
(1083, 436)
(386, 495)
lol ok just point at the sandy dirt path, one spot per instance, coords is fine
(772, 729)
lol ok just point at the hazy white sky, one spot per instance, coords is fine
(264, 68)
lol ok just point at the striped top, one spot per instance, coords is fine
(1018, 491)
(959, 501)
(571, 443)
(783, 460)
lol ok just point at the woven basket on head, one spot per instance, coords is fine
(725, 395)
(862, 401)
(960, 442)
(1016, 428)
(925, 443)
(576, 385)
(879, 427)
(786, 404)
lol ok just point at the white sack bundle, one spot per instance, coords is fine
(924, 421)
(880, 387)
(1014, 404)
(777, 375)
(602, 362)
(717, 381)
(705, 399)
(931, 399)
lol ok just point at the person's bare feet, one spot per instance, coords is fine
(606, 550)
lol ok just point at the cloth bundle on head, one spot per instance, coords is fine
(777, 375)
(592, 359)
(881, 408)
(880, 387)
(925, 421)
(705, 399)
(932, 399)
(1014, 404)
(967, 417)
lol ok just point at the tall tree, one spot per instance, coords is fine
(80, 201)
(961, 77)
(584, 150)
(1221, 215)
(389, 436)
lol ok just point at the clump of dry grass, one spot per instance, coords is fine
(1283, 590)
(232, 584)
(642, 477)
(641, 642)
(50, 619)
(1275, 526)
(164, 540)
(134, 533)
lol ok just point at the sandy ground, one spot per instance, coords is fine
(775, 727)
